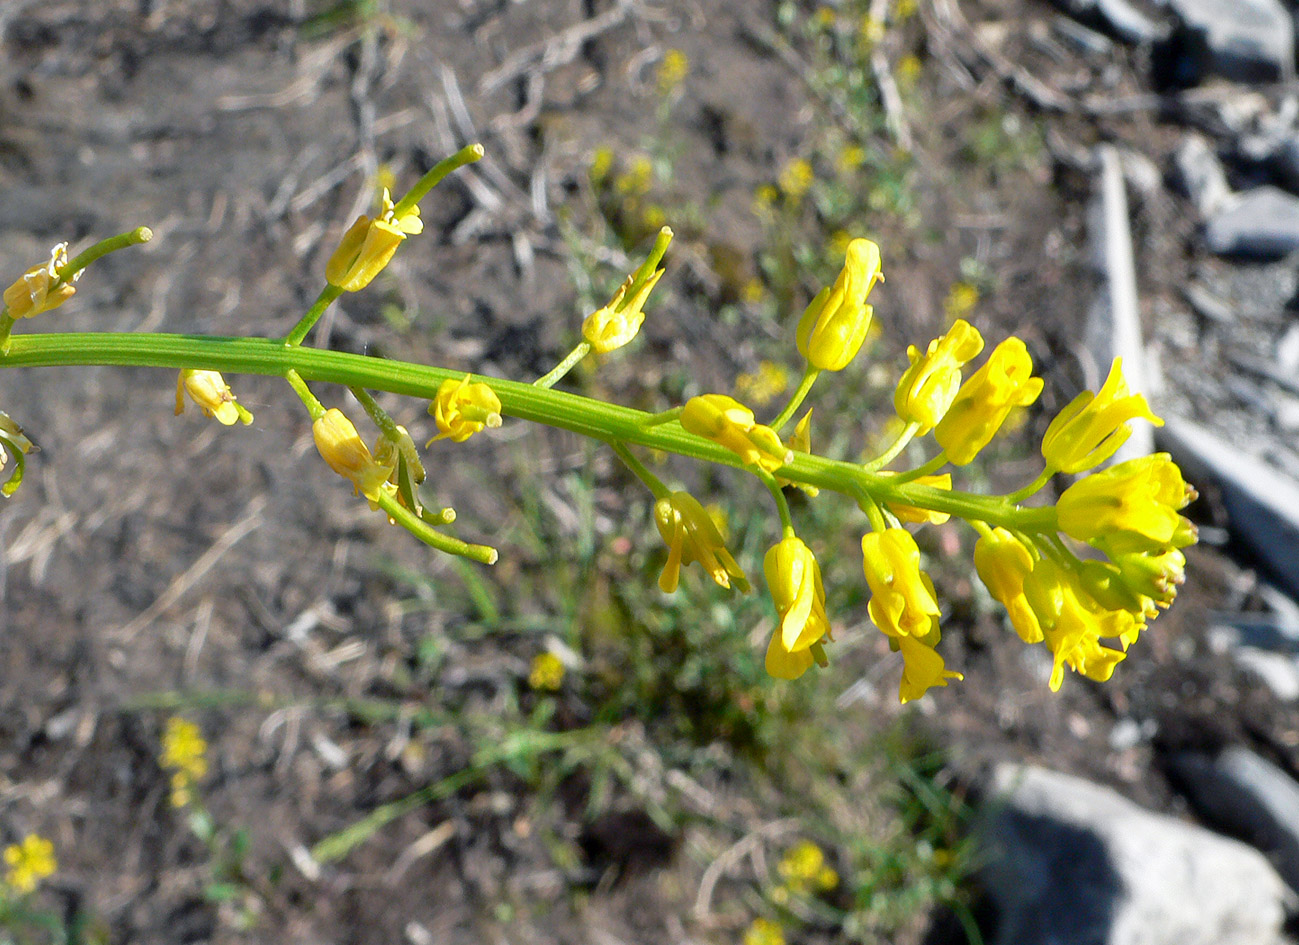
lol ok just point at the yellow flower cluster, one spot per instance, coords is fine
(184, 754)
(804, 871)
(28, 863)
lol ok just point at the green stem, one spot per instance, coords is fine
(879, 462)
(924, 469)
(1020, 495)
(141, 234)
(466, 155)
(652, 482)
(556, 374)
(314, 406)
(376, 413)
(782, 506)
(810, 375)
(408, 520)
(647, 268)
(561, 409)
(308, 321)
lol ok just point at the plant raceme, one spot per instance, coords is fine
(1083, 577)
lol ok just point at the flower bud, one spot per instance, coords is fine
(1093, 426)
(929, 385)
(985, 400)
(834, 325)
(39, 288)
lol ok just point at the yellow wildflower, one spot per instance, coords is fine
(763, 385)
(369, 244)
(796, 179)
(849, 158)
(29, 862)
(612, 326)
(1154, 576)
(39, 289)
(908, 70)
(961, 298)
(794, 579)
(341, 447)
(1073, 624)
(764, 932)
(672, 71)
(1131, 507)
(902, 601)
(834, 325)
(601, 164)
(1003, 563)
(930, 384)
(209, 390)
(922, 669)
(804, 869)
(916, 516)
(638, 178)
(985, 400)
(691, 535)
(462, 409)
(729, 423)
(184, 753)
(1093, 426)
(11, 436)
(547, 673)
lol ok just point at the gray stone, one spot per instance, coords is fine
(1119, 16)
(1199, 175)
(1074, 863)
(1262, 223)
(1246, 40)
(1249, 797)
(1262, 503)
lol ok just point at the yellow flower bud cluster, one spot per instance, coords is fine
(184, 754)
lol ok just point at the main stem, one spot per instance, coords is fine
(566, 411)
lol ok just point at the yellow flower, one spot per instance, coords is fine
(1093, 426)
(930, 384)
(612, 326)
(794, 579)
(462, 409)
(341, 447)
(961, 298)
(1073, 624)
(672, 71)
(834, 325)
(210, 391)
(39, 288)
(29, 862)
(922, 669)
(638, 178)
(1131, 507)
(765, 384)
(902, 601)
(804, 870)
(691, 535)
(1003, 563)
(916, 516)
(764, 932)
(601, 163)
(796, 179)
(369, 244)
(849, 158)
(547, 673)
(184, 753)
(729, 423)
(11, 436)
(985, 400)
(1154, 576)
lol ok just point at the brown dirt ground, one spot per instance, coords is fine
(148, 554)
